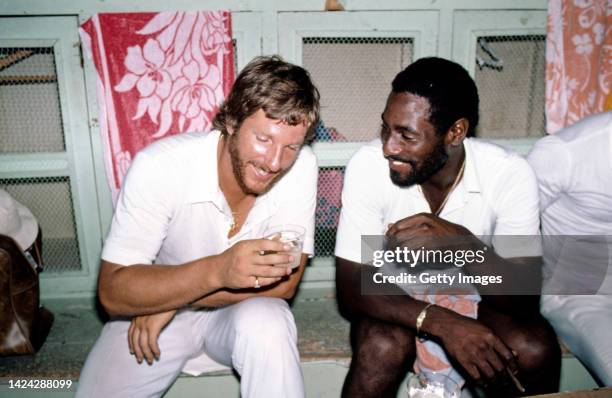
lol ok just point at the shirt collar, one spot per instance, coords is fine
(204, 186)
(471, 181)
(468, 185)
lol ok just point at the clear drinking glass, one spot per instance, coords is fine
(293, 235)
(432, 385)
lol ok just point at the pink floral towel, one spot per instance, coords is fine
(158, 74)
(578, 60)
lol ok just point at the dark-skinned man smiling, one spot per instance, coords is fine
(425, 179)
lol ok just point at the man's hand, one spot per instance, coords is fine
(143, 334)
(477, 349)
(416, 230)
(258, 260)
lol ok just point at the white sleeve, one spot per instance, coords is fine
(361, 212)
(299, 198)
(551, 163)
(517, 211)
(141, 217)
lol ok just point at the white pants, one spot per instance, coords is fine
(257, 337)
(584, 324)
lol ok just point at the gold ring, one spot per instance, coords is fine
(257, 285)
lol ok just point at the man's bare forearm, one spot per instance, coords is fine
(147, 289)
(519, 294)
(226, 297)
(223, 297)
(398, 308)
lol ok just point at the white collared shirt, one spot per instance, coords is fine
(497, 195)
(574, 171)
(171, 209)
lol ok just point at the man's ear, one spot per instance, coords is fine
(457, 132)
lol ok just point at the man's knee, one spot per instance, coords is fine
(537, 347)
(382, 354)
(382, 344)
(265, 319)
(110, 370)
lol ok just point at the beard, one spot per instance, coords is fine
(239, 166)
(418, 175)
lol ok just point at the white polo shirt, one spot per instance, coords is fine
(498, 195)
(171, 209)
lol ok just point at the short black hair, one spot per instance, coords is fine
(450, 90)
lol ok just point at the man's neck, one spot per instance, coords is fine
(437, 189)
(446, 176)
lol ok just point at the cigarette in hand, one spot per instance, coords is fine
(516, 381)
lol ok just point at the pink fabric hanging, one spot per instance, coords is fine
(158, 74)
(578, 60)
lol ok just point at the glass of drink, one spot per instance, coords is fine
(432, 385)
(293, 235)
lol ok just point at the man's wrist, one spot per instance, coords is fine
(436, 321)
(210, 280)
(421, 318)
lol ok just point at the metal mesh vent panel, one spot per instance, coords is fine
(328, 209)
(50, 201)
(30, 115)
(234, 45)
(354, 78)
(511, 94)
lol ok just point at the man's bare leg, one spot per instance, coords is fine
(537, 349)
(382, 355)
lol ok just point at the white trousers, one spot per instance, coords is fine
(584, 324)
(257, 337)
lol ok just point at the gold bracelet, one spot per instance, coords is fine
(421, 318)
